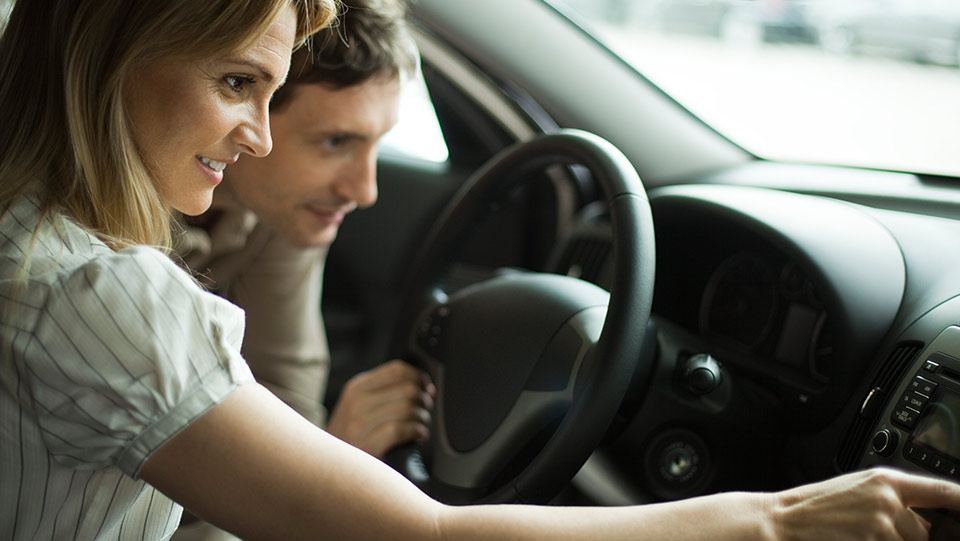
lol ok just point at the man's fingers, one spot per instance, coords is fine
(394, 430)
(389, 374)
(398, 411)
(396, 371)
(404, 392)
(383, 407)
(379, 411)
(389, 435)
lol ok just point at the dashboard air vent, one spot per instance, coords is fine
(585, 258)
(887, 378)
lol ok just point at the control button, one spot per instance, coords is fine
(885, 442)
(430, 330)
(914, 400)
(702, 374)
(931, 366)
(947, 468)
(923, 386)
(933, 461)
(911, 451)
(905, 417)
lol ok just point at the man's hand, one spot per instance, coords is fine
(383, 407)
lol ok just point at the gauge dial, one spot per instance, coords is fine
(740, 301)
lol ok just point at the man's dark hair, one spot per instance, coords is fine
(370, 39)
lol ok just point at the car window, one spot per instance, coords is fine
(417, 133)
(6, 6)
(870, 83)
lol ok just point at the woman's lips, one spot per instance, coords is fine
(214, 175)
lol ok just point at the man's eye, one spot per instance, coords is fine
(237, 83)
(334, 142)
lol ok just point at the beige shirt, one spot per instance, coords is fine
(279, 286)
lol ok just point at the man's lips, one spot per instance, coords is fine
(328, 216)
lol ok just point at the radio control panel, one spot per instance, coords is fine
(919, 428)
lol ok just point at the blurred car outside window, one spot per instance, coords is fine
(867, 83)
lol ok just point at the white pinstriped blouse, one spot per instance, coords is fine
(105, 356)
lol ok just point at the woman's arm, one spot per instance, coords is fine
(253, 466)
(868, 505)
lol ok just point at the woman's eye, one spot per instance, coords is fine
(237, 83)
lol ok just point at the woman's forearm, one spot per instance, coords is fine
(732, 516)
(254, 467)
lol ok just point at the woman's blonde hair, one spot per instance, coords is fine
(63, 127)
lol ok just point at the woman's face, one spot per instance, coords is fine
(191, 119)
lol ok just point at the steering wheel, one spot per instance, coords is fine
(530, 368)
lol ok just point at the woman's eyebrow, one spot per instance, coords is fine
(265, 73)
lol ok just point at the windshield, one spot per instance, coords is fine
(870, 83)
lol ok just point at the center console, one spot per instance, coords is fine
(919, 429)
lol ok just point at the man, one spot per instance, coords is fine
(263, 242)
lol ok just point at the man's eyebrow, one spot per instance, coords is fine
(339, 134)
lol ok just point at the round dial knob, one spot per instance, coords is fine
(701, 373)
(885, 442)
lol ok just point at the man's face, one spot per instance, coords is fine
(323, 163)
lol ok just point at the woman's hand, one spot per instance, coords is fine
(870, 504)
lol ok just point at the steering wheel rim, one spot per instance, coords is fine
(607, 369)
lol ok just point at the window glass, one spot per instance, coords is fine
(6, 6)
(417, 133)
(871, 83)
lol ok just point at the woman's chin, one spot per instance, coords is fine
(194, 206)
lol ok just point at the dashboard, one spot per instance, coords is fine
(809, 289)
(813, 311)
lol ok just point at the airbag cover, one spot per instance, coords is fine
(495, 334)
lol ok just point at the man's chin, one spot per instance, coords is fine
(314, 239)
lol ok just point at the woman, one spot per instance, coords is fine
(123, 385)
(114, 111)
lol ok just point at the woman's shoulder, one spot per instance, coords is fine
(44, 238)
(140, 281)
(70, 269)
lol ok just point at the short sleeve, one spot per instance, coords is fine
(127, 351)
